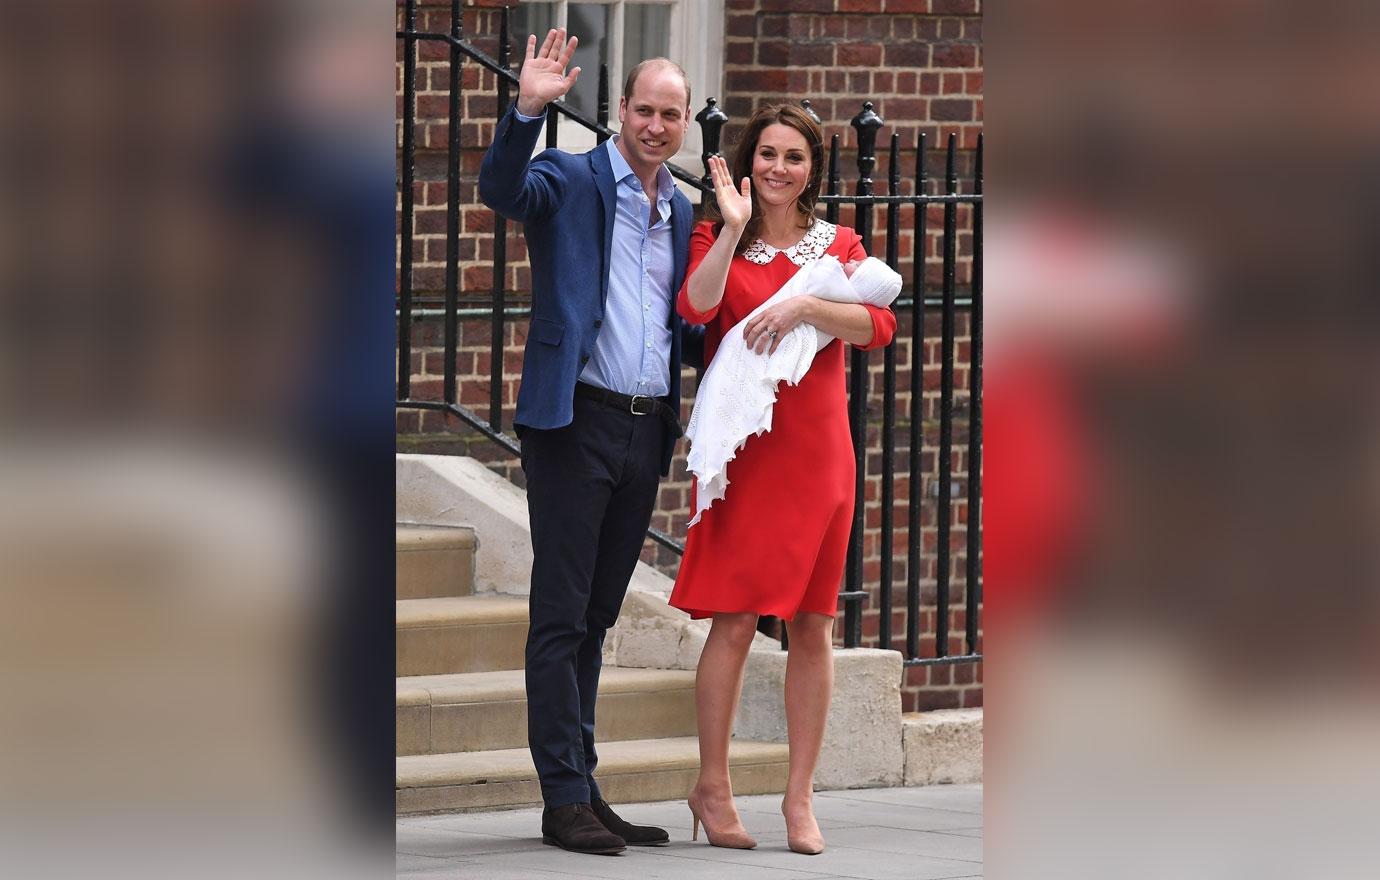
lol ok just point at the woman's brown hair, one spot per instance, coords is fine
(773, 114)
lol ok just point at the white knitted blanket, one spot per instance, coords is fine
(738, 392)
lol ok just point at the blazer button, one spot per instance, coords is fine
(584, 359)
(598, 322)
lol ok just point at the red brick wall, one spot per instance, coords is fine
(478, 111)
(919, 61)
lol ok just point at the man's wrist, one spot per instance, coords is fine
(529, 107)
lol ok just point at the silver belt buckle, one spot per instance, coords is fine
(632, 407)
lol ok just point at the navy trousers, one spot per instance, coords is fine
(591, 488)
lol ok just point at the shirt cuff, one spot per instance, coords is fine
(523, 117)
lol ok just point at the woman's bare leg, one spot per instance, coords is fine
(809, 686)
(718, 685)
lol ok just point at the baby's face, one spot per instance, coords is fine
(851, 266)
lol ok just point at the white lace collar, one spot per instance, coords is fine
(807, 250)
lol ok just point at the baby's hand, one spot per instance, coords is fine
(851, 266)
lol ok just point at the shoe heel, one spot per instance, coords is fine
(694, 827)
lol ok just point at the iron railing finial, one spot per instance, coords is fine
(711, 120)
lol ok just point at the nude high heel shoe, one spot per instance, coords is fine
(809, 844)
(726, 839)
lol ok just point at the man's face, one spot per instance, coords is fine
(654, 119)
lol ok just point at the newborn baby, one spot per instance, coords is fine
(738, 391)
(867, 280)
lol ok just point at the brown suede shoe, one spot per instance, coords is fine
(635, 835)
(574, 827)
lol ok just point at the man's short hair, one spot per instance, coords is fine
(651, 64)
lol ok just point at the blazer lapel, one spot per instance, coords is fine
(680, 240)
(604, 182)
(680, 254)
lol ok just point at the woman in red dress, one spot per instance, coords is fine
(775, 544)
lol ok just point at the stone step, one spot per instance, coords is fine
(460, 634)
(629, 771)
(473, 711)
(942, 747)
(434, 561)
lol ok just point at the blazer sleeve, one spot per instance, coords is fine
(883, 320)
(510, 181)
(701, 240)
(692, 345)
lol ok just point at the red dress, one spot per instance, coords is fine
(776, 543)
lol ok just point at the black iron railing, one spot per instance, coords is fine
(711, 121)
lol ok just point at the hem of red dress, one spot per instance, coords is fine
(702, 613)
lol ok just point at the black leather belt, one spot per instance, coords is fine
(636, 404)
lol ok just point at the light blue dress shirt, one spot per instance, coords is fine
(632, 353)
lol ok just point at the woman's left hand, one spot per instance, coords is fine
(764, 331)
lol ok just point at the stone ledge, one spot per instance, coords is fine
(458, 611)
(448, 490)
(507, 684)
(418, 538)
(941, 747)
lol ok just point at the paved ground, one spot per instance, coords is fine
(924, 833)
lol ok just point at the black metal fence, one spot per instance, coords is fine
(711, 120)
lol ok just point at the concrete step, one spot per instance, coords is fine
(629, 771)
(473, 711)
(460, 634)
(942, 747)
(434, 561)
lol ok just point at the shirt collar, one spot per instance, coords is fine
(665, 186)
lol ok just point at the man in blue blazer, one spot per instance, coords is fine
(608, 238)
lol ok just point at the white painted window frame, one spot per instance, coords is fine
(696, 43)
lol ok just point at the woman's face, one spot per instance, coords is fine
(780, 165)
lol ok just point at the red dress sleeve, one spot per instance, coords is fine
(702, 238)
(883, 320)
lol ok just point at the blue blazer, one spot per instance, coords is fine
(566, 205)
